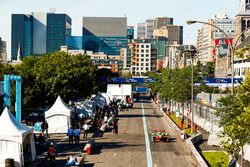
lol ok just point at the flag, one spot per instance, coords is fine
(217, 42)
(229, 41)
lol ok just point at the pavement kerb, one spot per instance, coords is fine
(196, 154)
(188, 141)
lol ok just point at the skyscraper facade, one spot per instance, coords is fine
(162, 21)
(130, 32)
(74, 42)
(3, 54)
(145, 29)
(213, 44)
(21, 36)
(58, 29)
(105, 34)
(38, 33)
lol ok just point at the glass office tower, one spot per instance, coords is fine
(21, 36)
(58, 29)
(105, 34)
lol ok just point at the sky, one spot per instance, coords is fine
(135, 10)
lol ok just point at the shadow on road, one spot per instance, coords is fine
(89, 164)
(113, 145)
(137, 115)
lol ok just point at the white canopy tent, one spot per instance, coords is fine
(99, 100)
(16, 140)
(107, 98)
(119, 91)
(58, 117)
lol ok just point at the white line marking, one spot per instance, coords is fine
(149, 156)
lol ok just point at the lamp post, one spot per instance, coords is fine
(192, 54)
(231, 46)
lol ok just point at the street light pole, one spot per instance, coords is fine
(192, 93)
(231, 47)
(192, 54)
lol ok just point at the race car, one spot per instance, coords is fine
(160, 135)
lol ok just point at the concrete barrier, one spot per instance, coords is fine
(190, 143)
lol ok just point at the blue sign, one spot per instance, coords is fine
(220, 81)
(126, 80)
(140, 90)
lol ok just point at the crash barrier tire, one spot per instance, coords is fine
(89, 146)
(9, 162)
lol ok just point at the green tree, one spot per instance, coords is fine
(235, 114)
(59, 73)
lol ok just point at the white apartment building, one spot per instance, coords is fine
(209, 37)
(140, 58)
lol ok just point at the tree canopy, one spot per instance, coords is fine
(234, 112)
(47, 76)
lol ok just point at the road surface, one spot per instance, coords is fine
(130, 147)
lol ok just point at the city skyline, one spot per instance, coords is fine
(135, 11)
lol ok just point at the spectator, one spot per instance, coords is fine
(72, 161)
(52, 152)
(85, 130)
(37, 126)
(105, 118)
(115, 126)
(70, 134)
(46, 128)
(77, 135)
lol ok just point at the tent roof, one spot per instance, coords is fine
(11, 129)
(58, 108)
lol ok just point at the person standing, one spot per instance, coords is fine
(115, 126)
(85, 130)
(70, 134)
(52, 152)
(46, 128)
(77, 135)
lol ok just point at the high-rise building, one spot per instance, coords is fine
(58, 29)
(242, 22)
(105, 34)
(145, 29)
(38, 33)
(21, 36)
(3, 53)
(162, 21)
(130, 32)
(74, 42)
(212, 44)
(165, 33)
(140, 58)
